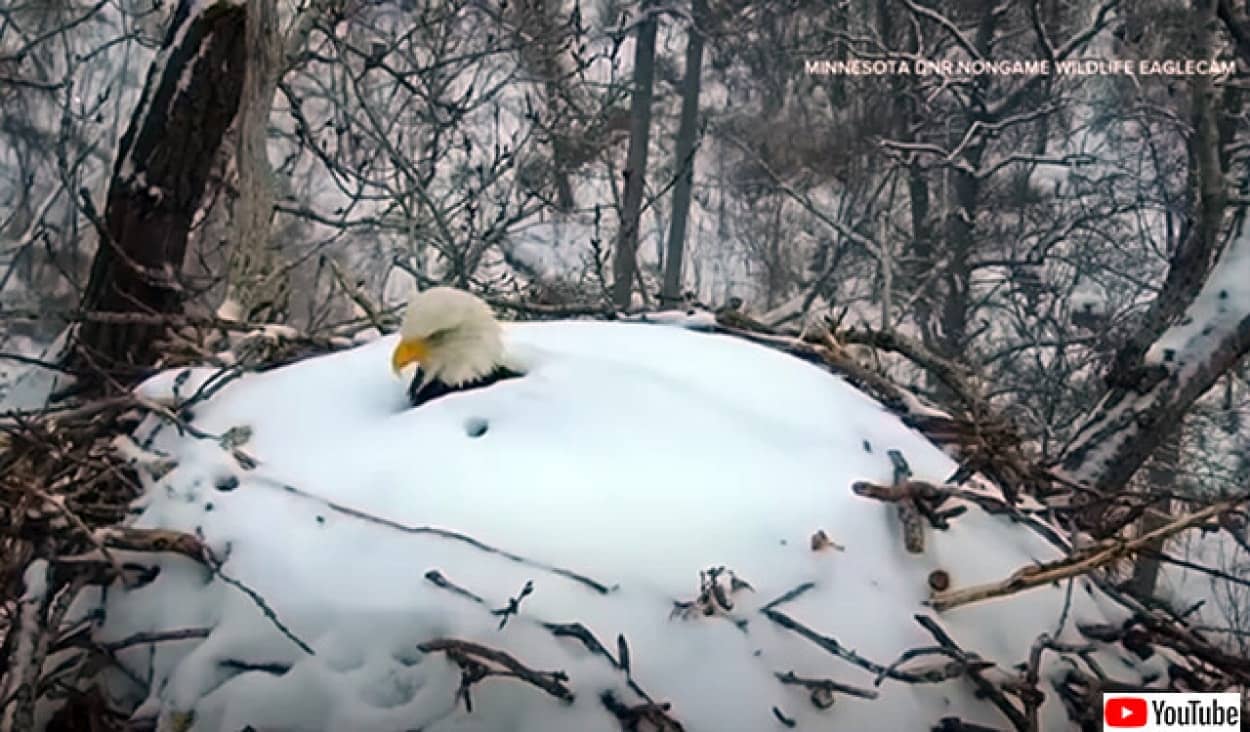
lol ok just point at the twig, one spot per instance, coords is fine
(358, 297)
(478, 662)
(58, 502)
(155, 637)
(832, 645)
(984, 687)
(264, 607)
(592, 644)
(655, 716)
(436, 577)
(1080, 562)
(583, 634)
(955, 376)
(153, 540)
(822, 690)
(160, 540)
(789, 595)
(514, 605)
(1030, 694)
(598, 587)
(960, 664)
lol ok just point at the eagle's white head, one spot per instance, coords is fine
(452, 334)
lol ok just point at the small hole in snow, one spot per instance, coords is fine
(208, 506)
(476, 427)
(321, 519)
(226, 483)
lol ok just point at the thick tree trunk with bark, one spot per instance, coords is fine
(625, 264)
(190, 98)
(256, 286)
(686, 133)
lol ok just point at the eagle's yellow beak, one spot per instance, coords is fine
(408, 351)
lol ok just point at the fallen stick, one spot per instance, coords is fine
(1079, 563)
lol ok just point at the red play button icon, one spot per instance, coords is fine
(1125, 711)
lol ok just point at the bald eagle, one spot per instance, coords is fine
(455, 341)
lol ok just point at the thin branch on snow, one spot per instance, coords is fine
(822, 690)
(1078, 563)
(264, 607)
(436, 577)
(155, 637)
(598, 587)
(983, 685)
(781, 717)
(559, 630)
(514, 604)
(960, 664)
(583, 634)
(1029, 693)
(790, 595)
(592, 644)
(832, 645)
(161, 540)
(631, 718)
(478, 662)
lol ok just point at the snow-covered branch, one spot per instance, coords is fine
(1180, 366)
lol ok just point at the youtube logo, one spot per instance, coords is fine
(1125, 711)
(1171, 712)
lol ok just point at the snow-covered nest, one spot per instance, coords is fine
(631, 459)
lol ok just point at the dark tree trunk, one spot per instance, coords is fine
(625, 263)
(189, 100)
(686, 133)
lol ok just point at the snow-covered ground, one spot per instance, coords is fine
(632, 455)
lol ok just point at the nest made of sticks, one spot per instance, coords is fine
(68, 477)
(67, 482)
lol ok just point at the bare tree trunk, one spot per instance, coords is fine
(625, 263)
(1160, 475)
(255, 284)
(686, 132)
(190, 98)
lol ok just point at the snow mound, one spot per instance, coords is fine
(629, 459)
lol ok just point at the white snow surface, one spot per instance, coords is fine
(633, 454)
